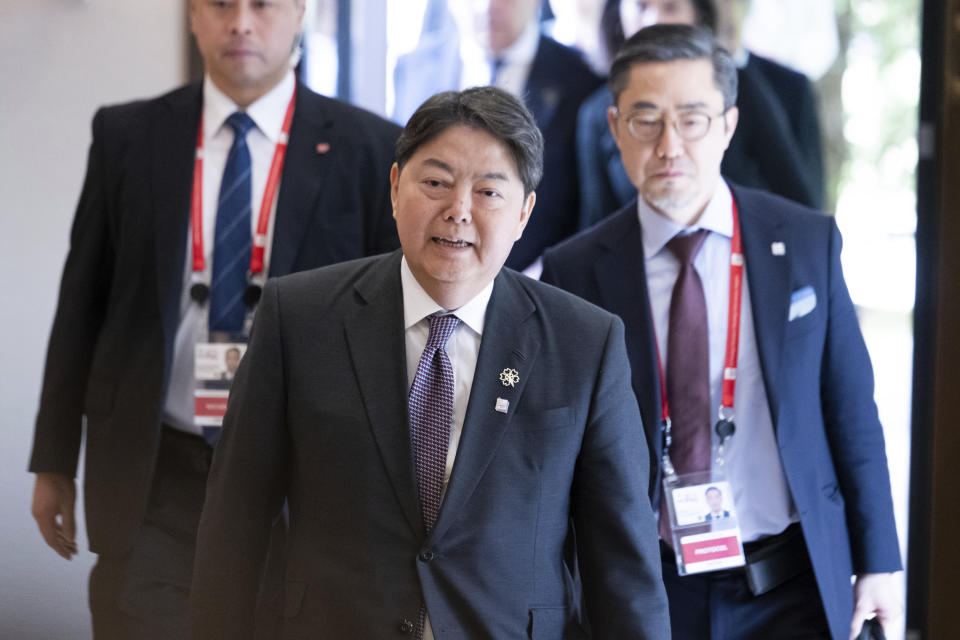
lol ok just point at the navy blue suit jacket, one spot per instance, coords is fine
(816, 371)
(559, 81)
(318, 415)
(112, 340)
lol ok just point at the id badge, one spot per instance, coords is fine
(215, 364)
(703, 523)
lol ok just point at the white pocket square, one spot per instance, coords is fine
(802, 302)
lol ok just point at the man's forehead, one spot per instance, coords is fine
(486, 155)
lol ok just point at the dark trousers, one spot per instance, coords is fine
(144, 594)
(720, 606)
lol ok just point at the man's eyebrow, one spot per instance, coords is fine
(692, 105)
(494, 175)
(686, 106)
(440, 164)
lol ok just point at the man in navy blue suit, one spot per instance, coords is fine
(799, 437)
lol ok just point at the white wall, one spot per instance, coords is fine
(59, 60)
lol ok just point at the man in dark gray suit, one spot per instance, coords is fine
(437, 424)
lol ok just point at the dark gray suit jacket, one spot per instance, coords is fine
(112, 339)
(318, 416)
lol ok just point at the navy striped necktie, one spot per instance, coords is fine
(232, 234)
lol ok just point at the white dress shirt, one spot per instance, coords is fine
(516, 61)
(267, 114)
(753, 467)
(462, 348)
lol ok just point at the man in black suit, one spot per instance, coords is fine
(500, 44)
(121, 349)
(446, 515)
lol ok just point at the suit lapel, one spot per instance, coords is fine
(621, 280)
(305, 176)
(175, 136)
(768, 277)
(510, 341)
(375, 337)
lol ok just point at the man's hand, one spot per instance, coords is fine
(54, 495)
(876, 593)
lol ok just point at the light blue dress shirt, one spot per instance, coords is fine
(752, 457)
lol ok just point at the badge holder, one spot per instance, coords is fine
(704, 528)
(216, 360)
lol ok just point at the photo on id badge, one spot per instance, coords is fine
(218, 361)
(706, 534)
(215, 364)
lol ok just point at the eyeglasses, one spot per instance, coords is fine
(647, 126)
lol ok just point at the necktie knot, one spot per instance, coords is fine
(441, 328)
(241, 123)
(495, 66)
(686, 247)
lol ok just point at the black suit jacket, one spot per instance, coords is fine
(318, 416)
(777, 143)
(816, 373)
(559, 81)
(111, 344)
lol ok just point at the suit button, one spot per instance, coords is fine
(426, 556)
(406, 626)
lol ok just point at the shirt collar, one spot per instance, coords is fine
(417, 303)
(658, 230)
(267, 112)
(523, 50)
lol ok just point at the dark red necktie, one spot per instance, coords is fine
(688, 367)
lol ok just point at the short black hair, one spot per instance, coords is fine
(611, 27)
(485, 108)
(670, 42)
(712, 488)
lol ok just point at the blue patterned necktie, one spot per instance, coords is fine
(232, 235)
(431, 415)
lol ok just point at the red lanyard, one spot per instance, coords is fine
(266, 205)
(733, 328)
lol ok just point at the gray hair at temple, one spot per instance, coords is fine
(485, 108)
(670, 42)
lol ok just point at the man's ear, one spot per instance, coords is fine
(394, 185)
(613, 121)
(525, 213)
(730, 118)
